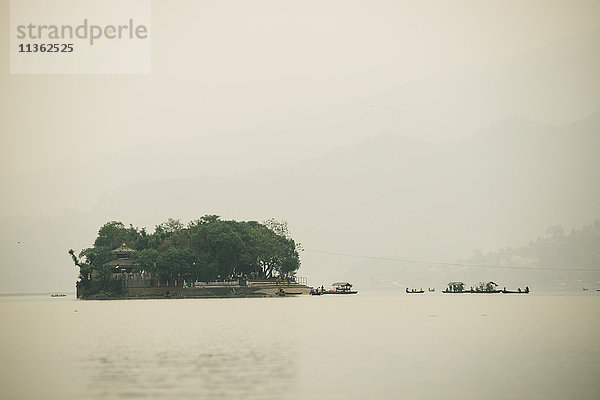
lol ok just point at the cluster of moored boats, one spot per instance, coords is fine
(481, 287)
(338, 288)
(419, 290)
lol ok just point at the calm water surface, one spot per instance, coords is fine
(335, 347)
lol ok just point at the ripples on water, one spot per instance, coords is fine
(291, 348)
(191, 349)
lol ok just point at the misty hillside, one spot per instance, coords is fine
(577, 250)
(487, 186)
(554, 261)
(395, 196)
(555, 83)
(562, 260)
(390, 196)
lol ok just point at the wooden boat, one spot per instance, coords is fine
(486, 287)
(519, 291)
(340, 292)
(414, 291)
(455, 287)
(57, 295)
(481, 288)
(341, 288)
(282, 293)
(484, 291)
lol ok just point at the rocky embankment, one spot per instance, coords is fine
(266, 289)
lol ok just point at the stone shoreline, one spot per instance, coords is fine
(254, 291)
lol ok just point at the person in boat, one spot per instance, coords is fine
(519, 290)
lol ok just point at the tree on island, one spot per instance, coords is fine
(205, 249)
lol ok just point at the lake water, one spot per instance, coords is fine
(334, 347)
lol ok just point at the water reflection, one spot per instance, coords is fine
(234, 358)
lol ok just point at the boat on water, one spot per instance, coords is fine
(481, 288)
(518, 291)
(340, 288)
(415, 291)
(455, 287)
(58, 295)
(486, 287)
(315, 292)
(284, 293)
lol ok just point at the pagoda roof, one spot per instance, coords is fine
(123, 250)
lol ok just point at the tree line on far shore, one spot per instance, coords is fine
(205, 249)
(555, 250)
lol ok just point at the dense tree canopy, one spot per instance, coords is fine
(205, 249)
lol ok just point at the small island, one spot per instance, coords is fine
(207, 258)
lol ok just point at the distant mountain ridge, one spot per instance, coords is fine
(389, 196)
(396, 196)
(577, 250)
(555, 261)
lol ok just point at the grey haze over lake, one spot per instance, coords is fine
(390, 197)
(436, 167)
(381, 131)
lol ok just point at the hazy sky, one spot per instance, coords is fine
(239, 87)
(266, 67)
